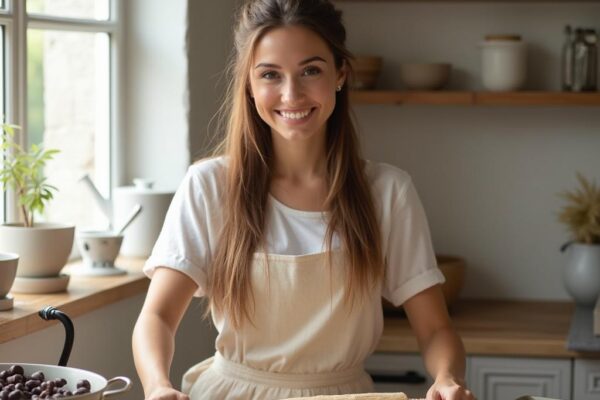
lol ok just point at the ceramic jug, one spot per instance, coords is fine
(143, 232)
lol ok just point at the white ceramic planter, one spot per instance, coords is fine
(581, 274)
(43, 250)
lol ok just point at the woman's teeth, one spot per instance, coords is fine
(294, 115)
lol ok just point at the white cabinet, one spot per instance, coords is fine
(507, 378)
(586, 380)
(493, 378)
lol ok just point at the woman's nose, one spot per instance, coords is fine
(292, 91)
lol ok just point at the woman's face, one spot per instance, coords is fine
(293, 80)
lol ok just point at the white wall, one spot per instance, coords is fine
(154, 142)
(488, 176)
(209, 45)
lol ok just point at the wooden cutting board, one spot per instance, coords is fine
(362, 396)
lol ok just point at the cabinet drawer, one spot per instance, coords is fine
(586, 380)
(394, 372)
(499, 378)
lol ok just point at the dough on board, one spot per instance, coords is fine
(361, 396)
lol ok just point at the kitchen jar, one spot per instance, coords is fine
(567, 59)
(503, 62)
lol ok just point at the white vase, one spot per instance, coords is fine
(43, 249)
(581, 274)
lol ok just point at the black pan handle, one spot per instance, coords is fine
(49, 313)
(411, 377)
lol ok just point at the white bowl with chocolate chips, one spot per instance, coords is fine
(20, 381)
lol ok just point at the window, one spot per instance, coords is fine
(58, 85)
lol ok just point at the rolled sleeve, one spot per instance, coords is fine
(184, 242)
(411, 266)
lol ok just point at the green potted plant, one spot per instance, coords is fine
(43, 248)
(581, 215)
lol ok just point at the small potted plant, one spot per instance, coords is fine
(43, 248)
(581, 215)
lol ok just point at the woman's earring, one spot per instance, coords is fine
(338, 88)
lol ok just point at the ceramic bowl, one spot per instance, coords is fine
(101, 388)
(8, 272)
(424, 76)
(453, 269)
(366, 70)
(99, 249)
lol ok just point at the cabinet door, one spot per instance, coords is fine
(500, 378)
(395, 372)
(586, 380)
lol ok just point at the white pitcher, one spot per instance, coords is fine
(143, 232)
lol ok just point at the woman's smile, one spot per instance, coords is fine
(296, 117)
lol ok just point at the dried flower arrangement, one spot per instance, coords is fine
(581, 214)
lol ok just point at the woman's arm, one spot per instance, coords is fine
(442, 349)
(153, 339)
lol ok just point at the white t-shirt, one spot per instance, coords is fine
(192, 226)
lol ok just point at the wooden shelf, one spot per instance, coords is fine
(522, 98)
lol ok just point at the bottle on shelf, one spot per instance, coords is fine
(567, 59)
(592, 41)
(584, 60)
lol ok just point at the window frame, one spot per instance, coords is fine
(15, 21)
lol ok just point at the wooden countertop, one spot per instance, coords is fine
(498, 327)
(82, 296)
(487, 327)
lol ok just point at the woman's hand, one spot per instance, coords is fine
(447, 388)
(166, 393)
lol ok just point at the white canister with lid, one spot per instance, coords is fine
(503, 62)
(141, 235)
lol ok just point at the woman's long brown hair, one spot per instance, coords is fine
(249, 152)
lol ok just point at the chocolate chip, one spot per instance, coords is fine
(83, 383)
(16, 395)
(16, 369)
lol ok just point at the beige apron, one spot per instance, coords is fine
(305, 340)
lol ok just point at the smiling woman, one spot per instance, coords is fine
(291, 235)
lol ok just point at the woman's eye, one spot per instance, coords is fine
(269, 75)
(312, 71)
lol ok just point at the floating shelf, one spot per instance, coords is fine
(521, 98)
